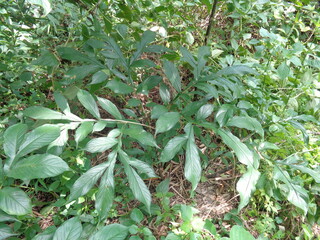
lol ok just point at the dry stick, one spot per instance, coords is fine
(213, 10)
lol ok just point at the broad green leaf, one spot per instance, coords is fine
(143, 167)
(99, 77)
(224, 113)
(192, 167)
(297, 196)
(46, 59)
(4, 217)
(210, 227)
(38, 138)
(248, 123)
(283, 71)
(163, 187)
(69, 230)
(157, 111)
(189, 38)
(46, 234)
(100, 144)
(58, 145)
(138, 187)
(300, 127)
(80, 72)
(204, 112)
(6, 231)
(141, 135)
(111, 232)
(149, 83)
(89, 103)
(14, 201)
(167, 121)
(172, 74)
(315, 174)
(119, 87)
(147, 37)
(38, 166)
(105, 194)
(117, 51)
(136, 215)
(74, 55)
(83, 131)
(164, 93)
(62, 102)
(13, 137)
(38, 112)
(110, 108)
(239, 233)
(187, 56)
(242, 152)
(247, 185)
(45, 4)
(172, 148)
(236, 70)
(87, 181)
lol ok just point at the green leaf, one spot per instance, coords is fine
(187, 56)
(283, 71)
(163, 187)
(14, 201)
(38, 138)
(38, 112)
(192, 168)
(45, 4)
(167, 121)
(243, 153)
(6, 232)
(297, 196)
(172, 148)
(141, 135)
(247, 185)
(157, 111)
(147, 37)
(80, 72)
(38, 166)
(87, 181)
(204, 112)
(83, 131)
(236, 70)
(224, 113)
(69, 230)
(111, 232)
(99, 77)
(110, 108)
(315, 174)
(136, 215)
(172, 74)
(46, 59)
(105, 194)
(117, 51)
(210, 227)
(138, 187)
(89, 103)
(74, 55)
(143, 167)
(189, 38)
(4, 217)
(164, 93)
(62, 102)
(119, 87)
(13, 138)
(248, 123)
(239, 233)
(100, 144)
(46, 234)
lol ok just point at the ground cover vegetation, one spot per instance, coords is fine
(159, 119)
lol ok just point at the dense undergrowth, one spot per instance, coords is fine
(116, 119)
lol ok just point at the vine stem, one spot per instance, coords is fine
(213, 10)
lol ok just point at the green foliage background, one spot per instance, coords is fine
(99, 96)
